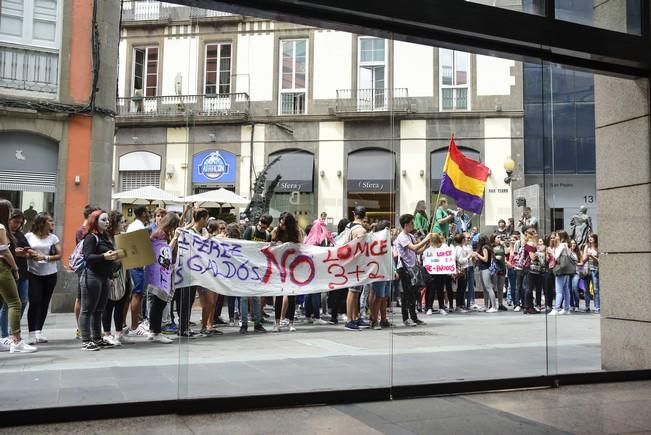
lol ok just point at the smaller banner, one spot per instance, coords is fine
(440, 261)
(158, 275)
(236, 267)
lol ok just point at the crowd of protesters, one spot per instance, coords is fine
(515, 269)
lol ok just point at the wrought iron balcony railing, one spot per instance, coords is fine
(222, 105)
(208, 13)
(372, 100)
(29, 69)
(144, 10)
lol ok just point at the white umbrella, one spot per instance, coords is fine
(146, 195)
(217, 198)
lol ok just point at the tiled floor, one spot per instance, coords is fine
(623, 408)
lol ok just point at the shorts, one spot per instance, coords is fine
(358, 289)
(382, 289)
(138, 279)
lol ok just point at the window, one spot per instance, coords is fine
(145, 71)
(217, 69)
(293, 76)
(371, 93)
(30, 22)
(454, 73)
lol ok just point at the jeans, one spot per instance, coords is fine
(94, 294)
(510, 276)
(156, 307)
(535, 284)
(487, 285)
(408, 305)
(470, 279)
(185, 298)
(23, 287)
(562, 292)
(593, 278)
(520, 287)
(313, 306)
(167, 313)
(244, 310)
(461, 290)
(574, 296)
(498, 283)
(9, 296)
(40, 294)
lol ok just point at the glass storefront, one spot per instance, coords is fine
(564, 160)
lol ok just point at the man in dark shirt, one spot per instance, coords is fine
(81, 232)
(258, 233)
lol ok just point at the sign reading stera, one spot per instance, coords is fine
(214, 166)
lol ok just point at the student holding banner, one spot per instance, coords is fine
(285, 306)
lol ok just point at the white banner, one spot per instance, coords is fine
(440, 261)
(236, 267)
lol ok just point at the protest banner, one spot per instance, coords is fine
(137, 247)
(236, 267)
(158, 275)
(440, 261)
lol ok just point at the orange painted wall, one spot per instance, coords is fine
(80, 127)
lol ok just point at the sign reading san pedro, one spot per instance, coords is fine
(214, 166)
(235, 267)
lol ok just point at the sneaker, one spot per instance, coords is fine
(40, 338)
(475, 307)
(219, 321)
(320, 322)
(158, 338)
(492, 310)
(564, 312)
(231, 323)
(333, 322)
(125, 340)
(363, 324)
(292, 328)
(103, 344)
(90, 346)
(138, 332)
(429, 312)
(31, 339)
(244, 330)
(385, 324)
(352, 326)
(587, 310)
(442, 312)
(516, 309)
(376, 326)
(597, 311)
(111, 340)
(460, 310)
(409, 323)
(259, 328)
(284, 323)
(21, 347)
(275, 328)
(77, 335)
(553, 312)
(309, 321)
(170, 328)
(4, 347)
(419, 322)
(502, 308)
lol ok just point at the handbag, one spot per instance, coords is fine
(117, 285)
(565, 265)
(415, 273)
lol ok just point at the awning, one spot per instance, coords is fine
(296, 169)
(371, 171)
(24, 181)
(140, 161)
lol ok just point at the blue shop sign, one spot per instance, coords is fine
(214, 166)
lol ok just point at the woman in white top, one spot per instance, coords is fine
(462, 254)
(42, 269)
(562, 282)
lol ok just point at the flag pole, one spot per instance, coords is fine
(438, 196)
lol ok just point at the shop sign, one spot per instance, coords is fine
(214, 166)
(371, 186)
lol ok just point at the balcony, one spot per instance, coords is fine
(144, 10)
(29, 69)
(208, 13)
(223, 106)
(372, 100)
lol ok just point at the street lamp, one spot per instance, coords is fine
(509, 166)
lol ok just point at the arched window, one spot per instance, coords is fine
(139, 169)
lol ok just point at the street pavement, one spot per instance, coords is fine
(314, 358)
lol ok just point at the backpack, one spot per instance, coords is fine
(76, 260)
(346, 235)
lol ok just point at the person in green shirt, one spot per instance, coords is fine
(421, 221)
(442, 218)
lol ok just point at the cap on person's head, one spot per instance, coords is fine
(359, 211)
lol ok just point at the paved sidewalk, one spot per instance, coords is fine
(316, 358)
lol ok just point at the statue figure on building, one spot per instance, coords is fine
(581, 227)
(526, 218)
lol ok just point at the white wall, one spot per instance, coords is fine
(255, 59)
(330, 160)
(177, 152)
(332, 63)
(498, 196)
(180, 56)
(414, 68)
(413, 159)
(122, 68)
(494, 75)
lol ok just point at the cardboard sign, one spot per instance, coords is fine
(158, 275)
(138, 249)
(440, 261)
